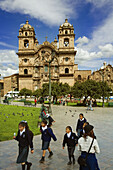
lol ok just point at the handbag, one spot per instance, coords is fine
(81, 160)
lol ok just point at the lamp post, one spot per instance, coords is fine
(49, 57)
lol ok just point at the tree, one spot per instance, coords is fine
(37, 93)
(55, 90)
(64, 88)
(45, 89)
(90, 88)
(25, 92)
(104, 90)
(78, 90)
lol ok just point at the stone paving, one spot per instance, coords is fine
(101, 118)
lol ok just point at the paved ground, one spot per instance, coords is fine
(101, 118)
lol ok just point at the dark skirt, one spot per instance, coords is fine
(23, 154)
(45, 145)
(92, 163)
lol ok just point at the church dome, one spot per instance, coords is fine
(66, 23)
(27, 25)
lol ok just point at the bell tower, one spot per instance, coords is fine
(67, 52)
(66, 36)
(27, 46)
(26, 37)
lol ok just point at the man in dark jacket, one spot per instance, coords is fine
(47, 134)
(71, 140)
(80, 123)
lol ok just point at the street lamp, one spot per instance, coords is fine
(49, 57)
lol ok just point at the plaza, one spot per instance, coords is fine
(101, 118)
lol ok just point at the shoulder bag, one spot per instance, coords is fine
(81, 160)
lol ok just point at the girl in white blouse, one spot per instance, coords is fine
(83, 146)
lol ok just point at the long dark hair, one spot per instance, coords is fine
(24, 123)
(91, 134)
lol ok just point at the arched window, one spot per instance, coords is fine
(66, 32)
(25, 60)
(66, 42)
(36, 69)
(66, 59)
(46, 68)
(25, 71)
(25, 33)
(26, 43)
(79, 77)
(56, 68)
(66, 70)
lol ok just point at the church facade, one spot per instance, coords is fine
(34, 59)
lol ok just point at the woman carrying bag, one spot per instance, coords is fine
(88, 146)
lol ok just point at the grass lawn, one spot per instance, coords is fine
(10, 116)
(72, 104)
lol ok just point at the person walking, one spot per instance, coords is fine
(86, 142)
(35, 101)
(24, 137)
(80, 123)
(47, 134)
(71, 140)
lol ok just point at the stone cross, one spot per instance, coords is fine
(46, 38)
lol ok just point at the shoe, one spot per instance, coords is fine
(29, 165)
(50, 154)
(42, 160)
(69, 163)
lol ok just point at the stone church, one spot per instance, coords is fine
(34, 60)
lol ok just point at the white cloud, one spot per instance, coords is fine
(9, 62)
(7, 45)
(82, 41)
(48, 11)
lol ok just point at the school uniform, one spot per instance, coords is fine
(47, 134)
(79, 127)
(25, 140)
(71, 140)
(83, 146)
(50, 120)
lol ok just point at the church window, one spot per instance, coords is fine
(25, 60)
(26, 43)
(25, 71)
(56, 68)
(66, 32)
(79, 77)
(66, 59)
(20, 33)
(46, 68)
(31, 33)
(66, 42)
(36, 69)
(66, 70)
(25, 33)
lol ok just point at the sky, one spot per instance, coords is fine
(92, 21)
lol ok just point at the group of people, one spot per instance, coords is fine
(85, 140)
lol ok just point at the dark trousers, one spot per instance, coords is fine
(71, 152)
